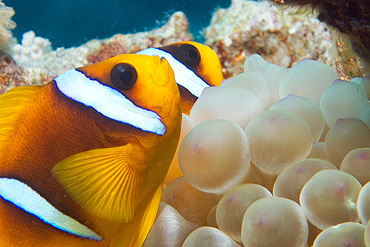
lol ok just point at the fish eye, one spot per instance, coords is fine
(123, 76)
(190, 55)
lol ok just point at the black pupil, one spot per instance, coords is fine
(125, 76)
(190, 55)
(193, 54)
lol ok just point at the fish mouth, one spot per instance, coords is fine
(108, 101)
(24, 197)
(183, 75)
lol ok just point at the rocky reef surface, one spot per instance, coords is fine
(41, 63)
(6, 24)
(282, 36)
(350, 17)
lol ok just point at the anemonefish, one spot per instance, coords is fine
(83, 158)
(196, 66)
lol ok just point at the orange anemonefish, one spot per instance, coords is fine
(196, 66)
(83, 158)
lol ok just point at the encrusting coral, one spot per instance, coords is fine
(176, 29)
(14, 75)
(35, 53)
(350, 17)
(35, 62)
(11, 74)
(6, 24)
(282, 37)
(32, 48)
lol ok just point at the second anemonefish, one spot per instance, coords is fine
(83, 158)
(196, 66)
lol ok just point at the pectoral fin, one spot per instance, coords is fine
(134, 233)
(106, 182)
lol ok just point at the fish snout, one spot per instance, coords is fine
(163, 74)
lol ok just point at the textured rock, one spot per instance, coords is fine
(282, 37)
(351, 18)
(176, 29)
(13, 75)
(6, 23)
(40, 60)
(31, 49)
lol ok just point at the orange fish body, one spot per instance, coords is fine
(196, 66)
(81, 169)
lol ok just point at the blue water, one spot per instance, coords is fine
(73, 22)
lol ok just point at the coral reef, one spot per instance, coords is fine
(31, 49)
(11, 74)
(282, 37)
(176, 29)
(14, 75)
(6, 24)
(37, 63)
(35, 53)
(350, 17)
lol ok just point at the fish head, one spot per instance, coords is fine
(196, 66)
(137, 90)
(208, 68)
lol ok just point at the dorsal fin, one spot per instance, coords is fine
(12, 104)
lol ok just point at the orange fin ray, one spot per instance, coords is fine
(134, 233)
(106, 182)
